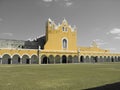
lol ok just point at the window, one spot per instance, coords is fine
(64, 43)
(63, 28)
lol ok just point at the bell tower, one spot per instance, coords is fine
(60, 37)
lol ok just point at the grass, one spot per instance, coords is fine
(58, 77)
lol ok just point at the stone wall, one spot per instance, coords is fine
(18, 44)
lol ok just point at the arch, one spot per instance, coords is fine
(100, 59)
(64, 43)
(57, 59)
(104, 60)
(6, 59)
(26, 55)
(16, 59)
(112, 59)
(75, 59)
(64, 59)
(81, 59)
(96, 59)
(118, 58)
(92, 59)
(108, 59)
(16, 54)
(6, 54)
(70, 59)
(0, 60)
(25, 59)
(87, 59)
(44, 59)
(51, 59)
(34, 59)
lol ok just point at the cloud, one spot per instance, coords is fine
(68, 3)
(7, 34)
(46, 3)
(47, 0)
(100, 42)
(115, 31)
(65, 3)
(117, 37)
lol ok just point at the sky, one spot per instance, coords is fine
(96, 20)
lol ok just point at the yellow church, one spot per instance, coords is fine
(57, 46)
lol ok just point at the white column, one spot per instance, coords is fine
(39, 56)
(66, 60)
(20, 60)
(54, 60)
(29, 61)
(79, 55)
(60, 60)
(10, 60)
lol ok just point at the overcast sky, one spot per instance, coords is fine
(97, 20)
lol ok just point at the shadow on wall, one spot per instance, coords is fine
(114, 86)
(41, 41)
(35, 43)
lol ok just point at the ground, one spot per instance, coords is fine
(59, 77)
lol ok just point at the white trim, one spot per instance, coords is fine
(33, 55)
(16, 54)
(25, 54)
(6, 54)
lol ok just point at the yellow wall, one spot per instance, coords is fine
(19, 52)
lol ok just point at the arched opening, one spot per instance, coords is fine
(0, 60)
(34, 59)
(6, 59)
(51, 59)
(57, 59)
(119, 59)
(44, 59)
(70, 59)
(116, 58)
(87, 59)
(25, 59)
(64, 59)
(75, 59)
(64, 43)
(100, 59)
(96, 59)
(16, 59)
(104, 59)
(108, 59)
(81, 59)
(92, 59)
(112, 59)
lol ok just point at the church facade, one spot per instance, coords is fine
(57, 46)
